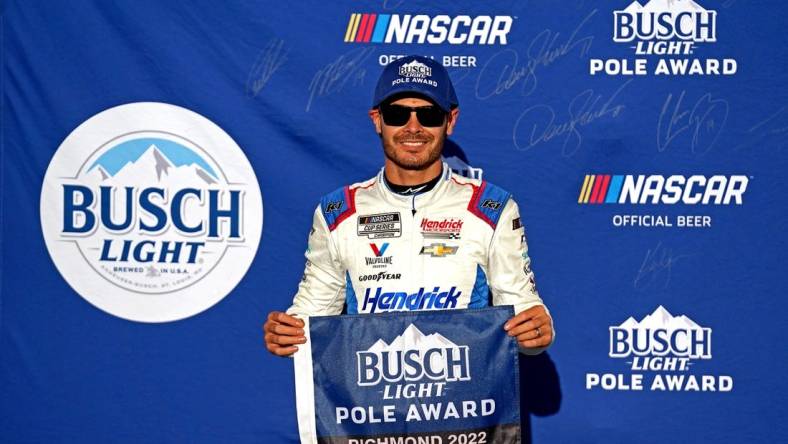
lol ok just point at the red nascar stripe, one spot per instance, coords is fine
(605, 186)
(362, 29)
(597, 186)
(370, 27)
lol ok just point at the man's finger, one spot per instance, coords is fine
(281, 329)
(284, 318)
(269, 326)
(290, 340)
(531, 324)
(544, 331)
(537, 310)
(541, 341)
(516, 320)
(281, 351)
(284, 340)
(286, 351)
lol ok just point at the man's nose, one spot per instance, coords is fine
(413, 124)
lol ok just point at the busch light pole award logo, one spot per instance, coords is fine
(661, 351)
(415, 367)
(668, 38)
(151, 212)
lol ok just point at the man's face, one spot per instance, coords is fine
(413, 146)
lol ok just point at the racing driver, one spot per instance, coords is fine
(416, 236)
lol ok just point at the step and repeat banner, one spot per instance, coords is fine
(161, 162)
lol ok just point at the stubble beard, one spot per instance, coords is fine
(433, 155)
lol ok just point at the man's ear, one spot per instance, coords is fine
(374, 114)
(452, 120)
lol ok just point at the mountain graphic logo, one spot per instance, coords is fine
(412, 338)
(152, 161)
(674, 6)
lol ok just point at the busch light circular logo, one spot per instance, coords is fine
(151, 212)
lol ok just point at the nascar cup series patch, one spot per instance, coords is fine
(445, 377)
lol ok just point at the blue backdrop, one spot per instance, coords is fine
(284, 83)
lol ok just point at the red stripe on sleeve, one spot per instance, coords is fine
(350, 198)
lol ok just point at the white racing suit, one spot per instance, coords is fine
(378, 251)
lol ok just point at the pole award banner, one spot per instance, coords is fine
(438, 377)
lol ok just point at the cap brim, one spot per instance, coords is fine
(416, 93)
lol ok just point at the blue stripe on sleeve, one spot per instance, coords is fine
(350, 296)
(333, 204)
(492, 201)
(480, 297)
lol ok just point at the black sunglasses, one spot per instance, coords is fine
(398, 115)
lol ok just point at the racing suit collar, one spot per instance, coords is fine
(409, 190)
(415, 201)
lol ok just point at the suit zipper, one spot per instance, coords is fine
(416, 248)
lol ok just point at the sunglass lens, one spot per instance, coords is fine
(395, 115)
(430, 116)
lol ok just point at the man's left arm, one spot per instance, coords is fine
(512, 282)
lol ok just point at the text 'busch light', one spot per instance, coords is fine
(150, 211)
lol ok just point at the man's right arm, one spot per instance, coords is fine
(319, 292)
(322, 287)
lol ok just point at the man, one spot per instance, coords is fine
(416, 236)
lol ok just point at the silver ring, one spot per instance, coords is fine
(538, 332)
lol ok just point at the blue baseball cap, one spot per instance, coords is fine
(416, 74)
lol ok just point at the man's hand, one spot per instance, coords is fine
(533, 328)
(282, 332)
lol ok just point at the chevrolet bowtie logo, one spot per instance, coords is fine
(438, 250)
